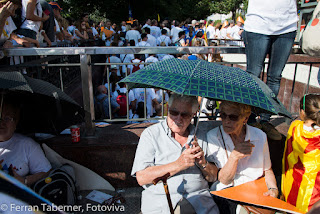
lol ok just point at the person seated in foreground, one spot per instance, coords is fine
(240, 152)
(20, 156)
(165, 148)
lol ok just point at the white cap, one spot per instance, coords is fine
(113, 67)
(193, 22)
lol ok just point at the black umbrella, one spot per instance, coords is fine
(44, 107)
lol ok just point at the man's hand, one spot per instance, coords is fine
(187, 158)
(242, 150)
(200, 159)
(190, 156)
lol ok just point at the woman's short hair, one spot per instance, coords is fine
(245, 110)
(185, 99)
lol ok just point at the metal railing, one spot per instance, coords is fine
(85, 63)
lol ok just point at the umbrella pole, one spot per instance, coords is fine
(197, 123)
(166, 189)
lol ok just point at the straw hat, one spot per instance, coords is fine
(225, 23)
(240, 19)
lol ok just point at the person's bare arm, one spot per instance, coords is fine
(271, 183)
(31, 6)
(46, 38)
(186, 160)
(30, 179)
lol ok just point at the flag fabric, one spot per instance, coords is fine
(158, 17)
(301, 167)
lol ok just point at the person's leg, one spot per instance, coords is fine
(279, 53)
(256, 48)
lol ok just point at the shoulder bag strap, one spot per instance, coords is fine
(224, 144)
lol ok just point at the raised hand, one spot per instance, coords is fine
(242, 150)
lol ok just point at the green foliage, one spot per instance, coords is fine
(117, 11)
(225, 6)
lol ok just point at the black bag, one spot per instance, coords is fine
(59, 187)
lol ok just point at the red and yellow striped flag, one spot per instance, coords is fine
(301, 167)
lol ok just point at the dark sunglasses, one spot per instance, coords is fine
(232, 117)
(184, 115)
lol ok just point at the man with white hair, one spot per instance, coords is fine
(169, 147)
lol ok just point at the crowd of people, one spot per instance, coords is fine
(38, 21)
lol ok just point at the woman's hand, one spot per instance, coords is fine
(273, 192)
(242, 150)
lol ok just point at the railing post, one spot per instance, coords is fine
(87, 93)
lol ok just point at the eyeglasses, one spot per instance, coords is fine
(232, 117)
(184, 115)
(6, 119)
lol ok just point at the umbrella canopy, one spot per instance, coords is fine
(210, 80)
(44, 107)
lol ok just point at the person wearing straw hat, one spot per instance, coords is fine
(270, 28)
(168, 147)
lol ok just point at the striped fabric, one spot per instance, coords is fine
(301, 167)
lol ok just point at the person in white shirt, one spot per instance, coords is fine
(167, 56)
(135, 60)
(150, 98)
(223, 32)
(126, 58)
(147, 24)
(154, 29)
(229, 29)
(133, 34)
(151, 39)
(20, 156)
(151, 59)
(236, 33)
(32, 17)
(210, 30)
(144, 42)
(175, 32)
(163, 40)
(114, 59)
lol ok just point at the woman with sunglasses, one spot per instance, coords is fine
(240, 152)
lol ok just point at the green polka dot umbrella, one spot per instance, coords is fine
(210, 80)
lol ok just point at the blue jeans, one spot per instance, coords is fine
(257, 46)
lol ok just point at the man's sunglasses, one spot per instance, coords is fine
(184, 115)
(232, 117)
